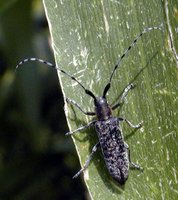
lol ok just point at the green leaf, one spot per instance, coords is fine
(87, 38)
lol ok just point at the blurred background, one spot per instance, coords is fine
(37, 161)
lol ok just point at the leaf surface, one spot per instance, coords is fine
(88, 37)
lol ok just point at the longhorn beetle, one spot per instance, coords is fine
(115, 151)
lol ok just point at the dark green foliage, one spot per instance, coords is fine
(36, 160)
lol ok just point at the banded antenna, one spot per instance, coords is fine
(126, 52)
(58, 69)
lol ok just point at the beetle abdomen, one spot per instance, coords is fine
(114, 149)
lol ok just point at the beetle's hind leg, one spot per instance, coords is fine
(88, 160)
(135, 166)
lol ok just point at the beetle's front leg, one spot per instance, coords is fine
(79, 107)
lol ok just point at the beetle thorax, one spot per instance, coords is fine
(102, 109)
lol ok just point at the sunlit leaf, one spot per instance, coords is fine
(88, 37)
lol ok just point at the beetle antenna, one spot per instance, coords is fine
(126, 52)
(58, 69)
